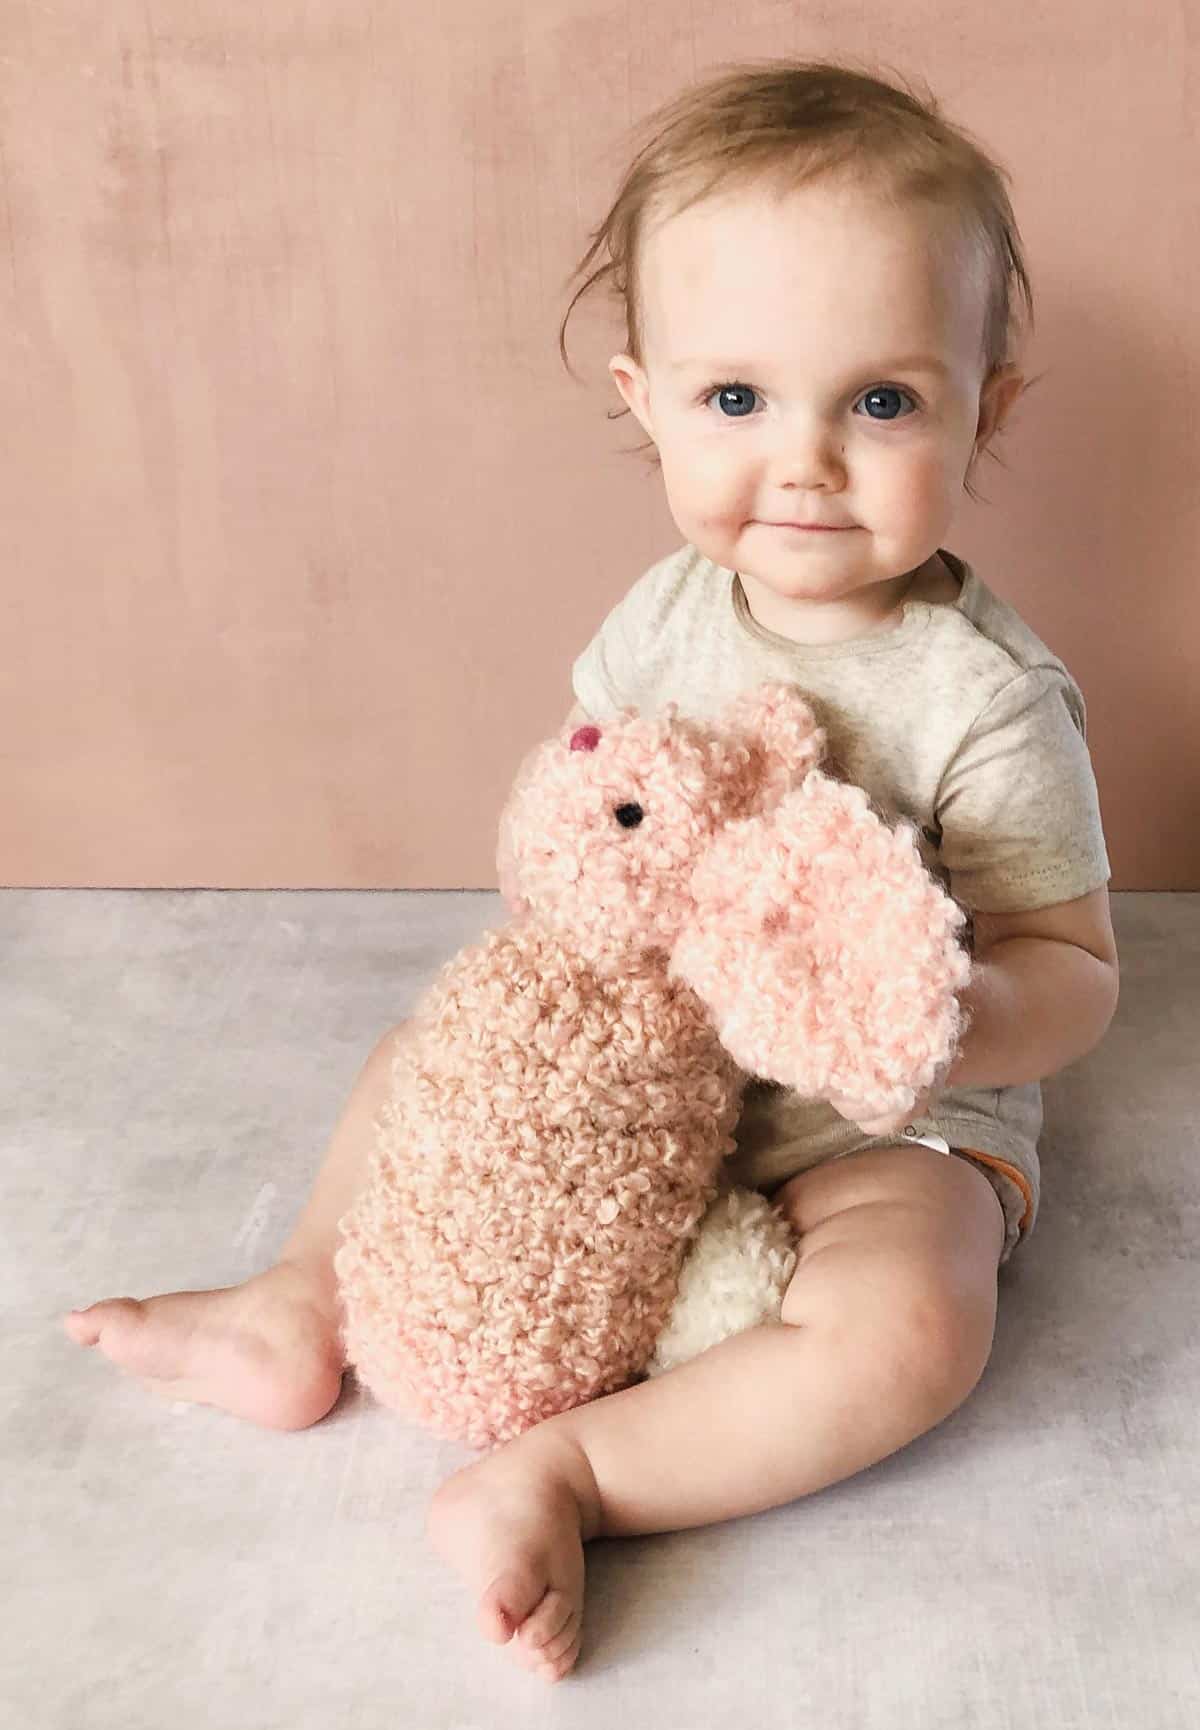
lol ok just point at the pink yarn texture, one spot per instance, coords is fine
(690, 903)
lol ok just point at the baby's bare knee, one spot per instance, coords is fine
(928, 1332)
(898, 1251)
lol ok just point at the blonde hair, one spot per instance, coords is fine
(786, 123)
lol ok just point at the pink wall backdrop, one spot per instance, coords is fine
(303, 521)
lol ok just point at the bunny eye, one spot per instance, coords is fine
(628, 816)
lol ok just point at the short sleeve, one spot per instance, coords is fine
(1018, 807)
(605, 677)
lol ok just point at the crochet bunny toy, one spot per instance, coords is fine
(691, 904)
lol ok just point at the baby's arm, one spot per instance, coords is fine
(1042, 993)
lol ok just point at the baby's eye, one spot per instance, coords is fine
(880, 394)
(741, 391)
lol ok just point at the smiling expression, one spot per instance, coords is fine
(814, 358)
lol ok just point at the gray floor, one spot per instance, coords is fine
(172, 1063)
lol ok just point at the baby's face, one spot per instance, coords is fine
(817, 359)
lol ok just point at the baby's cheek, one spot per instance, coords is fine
(932, 486)
(901, 494)
(699, 489)
(725, 531)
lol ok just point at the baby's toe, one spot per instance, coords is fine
(555, 1660)
(509, 1599)
(563, 1642)
(546, 1623)
(118, 1319)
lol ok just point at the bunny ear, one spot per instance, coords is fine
(826, 953)
(778, 726)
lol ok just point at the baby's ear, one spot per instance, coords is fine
(776, 740)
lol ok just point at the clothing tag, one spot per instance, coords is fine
(935, 1141)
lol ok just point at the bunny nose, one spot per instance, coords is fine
(585, 738)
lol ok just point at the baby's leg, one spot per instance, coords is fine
(267, 1349)
(886, 1328)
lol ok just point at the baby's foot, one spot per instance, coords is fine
(514, 1527)
(267, 1350)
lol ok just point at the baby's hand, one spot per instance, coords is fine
(854, 1110)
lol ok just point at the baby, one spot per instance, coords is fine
(818, 274)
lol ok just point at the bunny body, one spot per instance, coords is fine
(691, 904)
(553, 1140)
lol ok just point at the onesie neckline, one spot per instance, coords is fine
(915, 616)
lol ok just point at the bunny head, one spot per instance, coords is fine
(605, 823)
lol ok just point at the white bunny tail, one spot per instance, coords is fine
(733, 1277)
